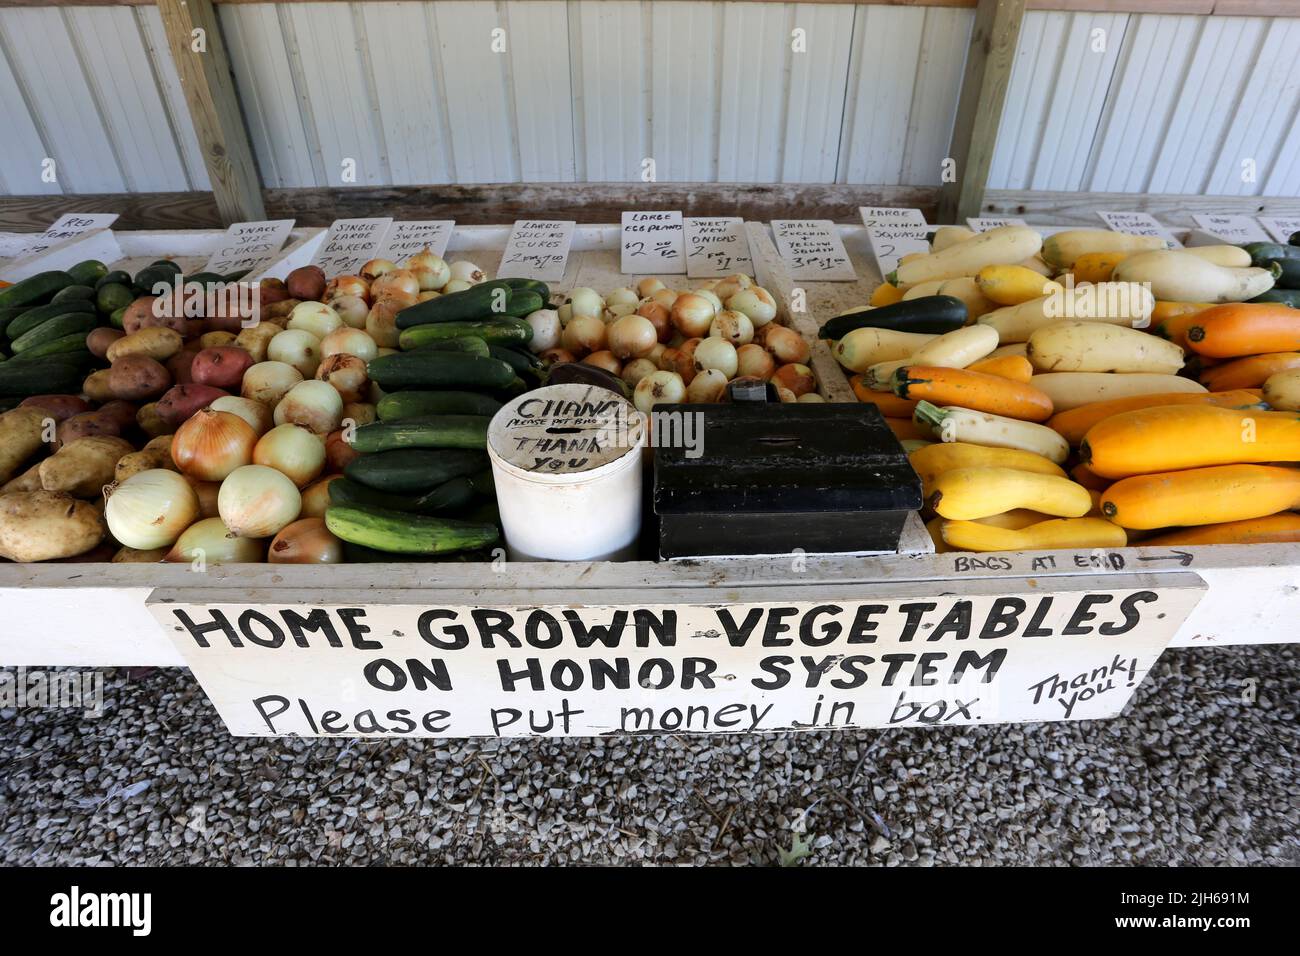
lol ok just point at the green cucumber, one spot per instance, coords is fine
(493, 332)
(74, 293)
(40, 378)
(1261, 252)
(72, 342)
(931, 314)
(406, 533)
(480, 302)
(430, 369)
(152, 275)
(118, 318)
(448, 496)
(113, 296)
(1290, 277)
(1289, 297)
(484, 483)
(403, 405)
(8, 315)
(34, 318)
(526, 365)
(414, 470)
(56, 328)
(35, 289)
(116, 277)
(470, 344)
(444, 431)
(88, 272)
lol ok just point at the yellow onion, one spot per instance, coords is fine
(314, 404)
(632, 336)
(210, 445)
(706, 292)
(732, 284)
(430, 270)
(315, 317)
(381, 322)
(375, 268)
(648, 287)
(207, 492)
(583, 334)
(754, 361)
(464, 271)
(268, 382)
(349, 341)
(756, 302)
(786, 345)
(316, 497)
(665, 297)
(606, 360)
(613, 312)
(151, 509)
(658, 316)
(585, 301)
(306, 541)
(352, 310)
(659, 388)
(714, 353)
(426, 296)
(296, 347)
(256, 501)
(255, 413)
(399, 282)
(638, 369)
(347, 374)
(292, 450)
(707, 386)
(733, 326)
(347, 285)
(692, 314)
(211, 542)
(359, 413)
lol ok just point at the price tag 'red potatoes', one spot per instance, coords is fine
(652, 243)
(891, 243)
(812, 250)
(249, 245)
(1235, 229)
(537, 249)
(350, 244)
(1137, 224)
(405, 239)
(717, 246)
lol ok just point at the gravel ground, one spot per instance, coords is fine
(1192, 774)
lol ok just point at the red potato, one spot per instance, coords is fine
(194, 328)
(138, 377)
(150, 312)
(121, 412)
(99, 340)
(179, 366)
(59, 407)
(85, 425)
(221, 367)
(271, 291)
(182, 401)
(306, 283)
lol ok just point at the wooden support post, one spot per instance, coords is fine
(979, 110)
(200, 56)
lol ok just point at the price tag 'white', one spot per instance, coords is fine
(1137, 224)
(717, 246)
(891, 243)
(249, 245)
(69, 226)
(882, 216)
(1281, 229)
(1232, 228)
(812, 250)
(652, 243)
(537, 249)
(987, 223)
(350, 244)
(405, 239)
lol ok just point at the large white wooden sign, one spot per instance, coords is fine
(387, 663)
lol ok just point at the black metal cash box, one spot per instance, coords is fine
(759, 478)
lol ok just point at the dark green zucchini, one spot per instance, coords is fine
(400, 406)
(40, 378)
(407, 533)
(414, 470)
(526, 365)
(493, 332)
(35, 318)
(1290, 277)
(449, 496)
(35, 289)
(430, 369)
(468, 344)
(1289, 297)
(930, 314)
(1261, 252)
(442, 431)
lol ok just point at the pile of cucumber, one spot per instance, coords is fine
(422, 483)
(1287, 258)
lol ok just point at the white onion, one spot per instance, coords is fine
(352, 310)
(399, 282)
(211, 542)
(456, 285)
(648, 287)
(707, 386)
(585, 301)
(632, 336)
(464, 271)
(347, 374)
(754, 360)
(731, 285)
(707, 293)
(381, 322)
(349, 341)
(151, 509)
(375, 268)
(267, 382)
(430, 270)
(257, 501)
(692, 314)
(622, 297)
(312, 403)
(565, 312)
(346, 285)
(293, 450)
(546, 330)
(733, 326)
(714, 353)
(638, 369)
(298, 348)
(613, 312)
(659, 388)
(211, 444)
(665, 297)
(255, 413)
(756, 302)
(315, 317)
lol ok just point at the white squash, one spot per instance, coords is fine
(862, 348)
(946, 236)
(1180, 276)
(1005, 245)
(1115, 303)
(1232, 257)
(1062, 249)
(1069, 390)
(959, 348)
(1098, 347)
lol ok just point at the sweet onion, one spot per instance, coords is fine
(212, 444)
(256, 501)
(211, 542)
(151, 509)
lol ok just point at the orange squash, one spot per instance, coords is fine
(1074, 423)
(973, 390)
(1281, 528)
(1201, 496)
(890, 405)
(1015, 367)
(1249, 372)
(1245, 328)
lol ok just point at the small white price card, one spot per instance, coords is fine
(70, 226)
(1281, 229)
(1232, 228)
(717, 246)
(405, 239)
(1137, 224)
(350, 244)
(882, 216)
(891, 243)
(812, 250)
(652, 243)
(537, 249)
(249, 246)
(987, 223)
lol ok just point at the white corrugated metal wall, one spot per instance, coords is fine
(588, 90)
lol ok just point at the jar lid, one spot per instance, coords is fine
(565, 432)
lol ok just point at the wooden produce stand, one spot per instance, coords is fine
(736, 644)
